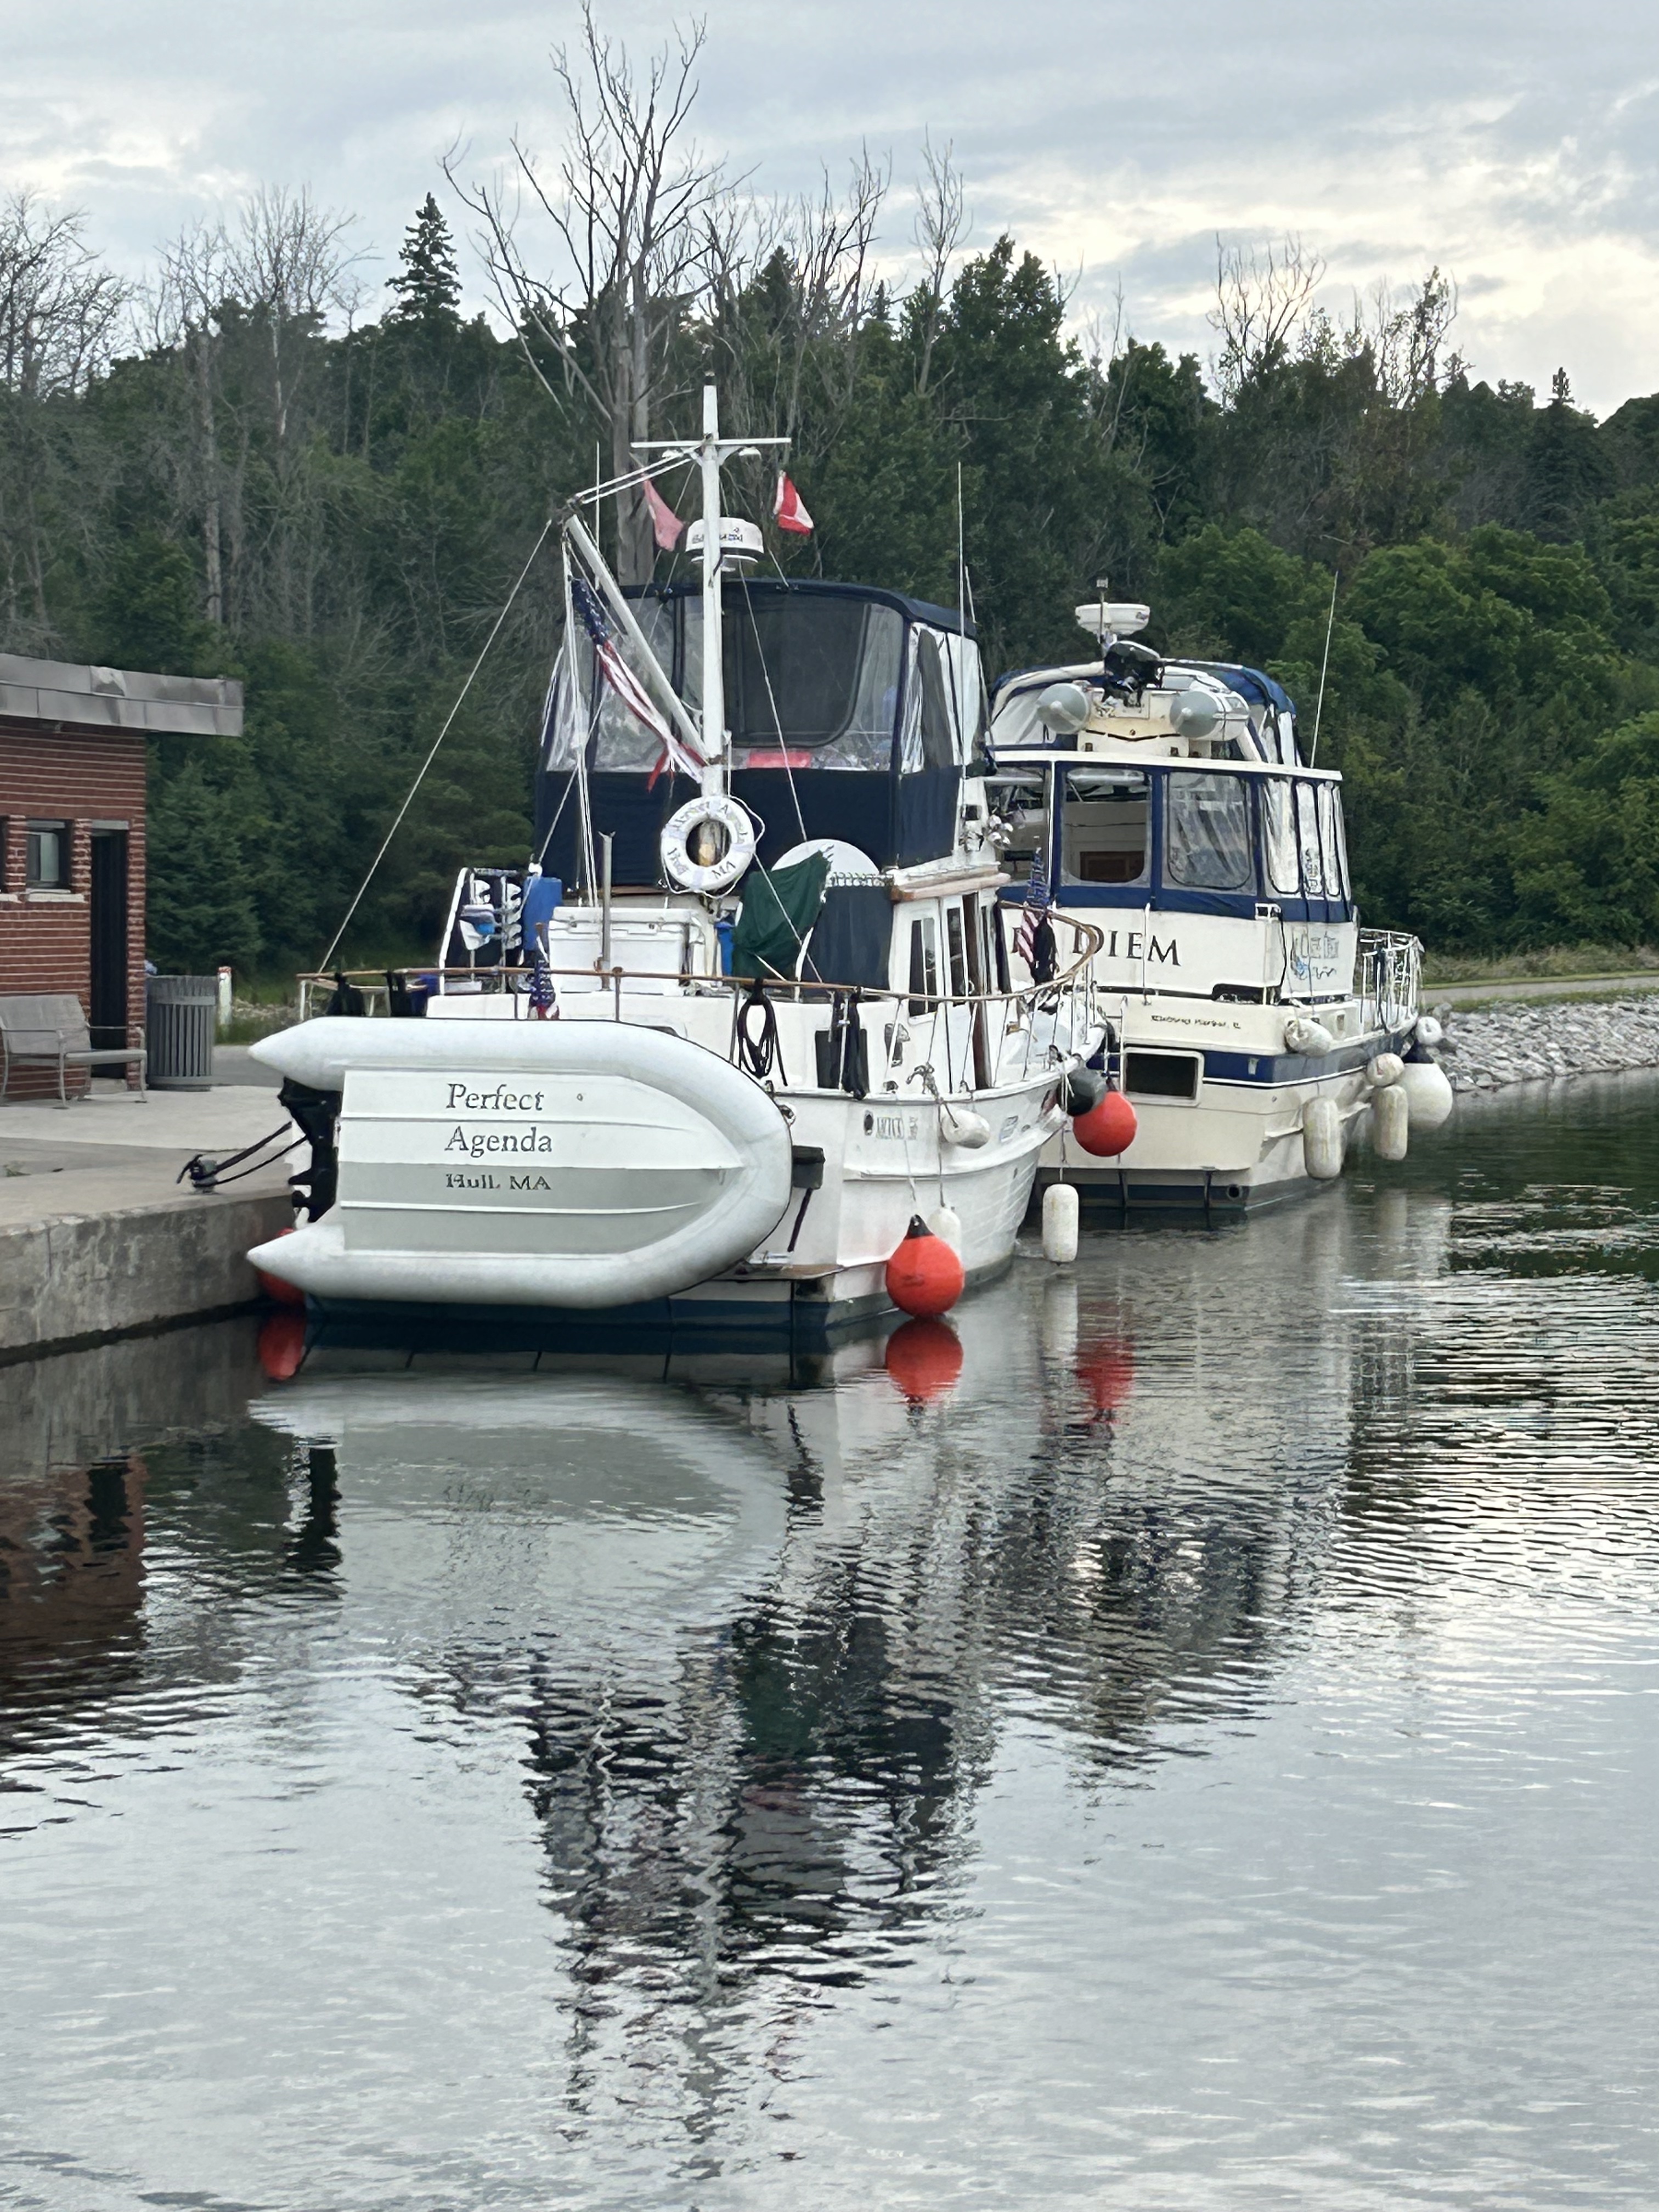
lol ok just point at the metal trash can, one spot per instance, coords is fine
(181, 1014)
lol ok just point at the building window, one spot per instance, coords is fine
(47, 863)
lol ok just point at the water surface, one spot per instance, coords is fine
(1203, 1756)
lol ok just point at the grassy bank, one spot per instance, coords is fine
(1567, 962)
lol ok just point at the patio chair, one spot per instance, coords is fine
(50, 1032)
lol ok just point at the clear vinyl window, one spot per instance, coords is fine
(1207, 833)
(1330, 842)
(1278, 836)
(1307, 838)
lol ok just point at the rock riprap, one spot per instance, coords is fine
(1528, 1044)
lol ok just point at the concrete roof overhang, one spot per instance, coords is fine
(56, 694)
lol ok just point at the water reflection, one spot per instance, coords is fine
(642, 1729)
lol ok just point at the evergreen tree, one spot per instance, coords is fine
(429, 289)
(1567, 468)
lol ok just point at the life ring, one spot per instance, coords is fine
(725, 815)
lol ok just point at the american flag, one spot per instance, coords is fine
(543, 997)
(1037, 902)
(622, 681)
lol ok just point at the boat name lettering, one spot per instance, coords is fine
(1169, 954)
(501, 1100)
(477, 1143)
(893, 1125)
(458, 1180)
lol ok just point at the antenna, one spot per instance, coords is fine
(964, 581)
(1319, 709)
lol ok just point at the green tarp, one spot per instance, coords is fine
(778, 910)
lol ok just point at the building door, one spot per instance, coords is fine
(108, 1013)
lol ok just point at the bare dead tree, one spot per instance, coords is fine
(1405, 337)
(818, 248)
(60, 313)
(187, 306)
(1263, 296)
(288, 264)
(629, 206)
(60, 307)
(944, 220)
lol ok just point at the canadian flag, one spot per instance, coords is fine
(788, 510)
(666, 525)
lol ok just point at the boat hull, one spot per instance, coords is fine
(1235, 1146)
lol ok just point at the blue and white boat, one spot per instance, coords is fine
(1255, 1027)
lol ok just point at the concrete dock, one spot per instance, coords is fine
(98, 1239)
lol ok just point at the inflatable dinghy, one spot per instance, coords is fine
(529, 1163)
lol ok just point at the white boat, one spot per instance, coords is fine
(594, 1113)
(1255, 1028)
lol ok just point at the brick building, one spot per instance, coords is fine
(72, 823)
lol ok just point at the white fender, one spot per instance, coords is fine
(679, 830)
(1321, 1139)
(1305, 1036)
(1390, 1121)
(1059, 1224)
(534, 1163)
(1387, 1068)
(1428, 1031)
(946, 1223)
(961, 1126)
(1429, 1092)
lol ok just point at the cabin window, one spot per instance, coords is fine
(1103, 826)
(1207, 833)
(991, 920)
(47, 856)
(955, 944)
(1330, 842)
(924, 962)
(1278, 836)
(1307, 838)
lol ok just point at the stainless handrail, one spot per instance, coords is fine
(1020, 1004)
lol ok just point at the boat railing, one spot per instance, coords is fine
(962, 1039)
(1390, 974)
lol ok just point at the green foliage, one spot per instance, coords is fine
(148, 612)
(429, 289)
(201, 903)
(338, 520)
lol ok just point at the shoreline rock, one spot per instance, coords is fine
(1530, 1043)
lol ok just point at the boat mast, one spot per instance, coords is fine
(713, 674)
(709, 451)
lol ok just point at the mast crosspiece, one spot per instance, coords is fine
(711, 452)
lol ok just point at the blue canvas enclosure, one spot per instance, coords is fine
(853, 713)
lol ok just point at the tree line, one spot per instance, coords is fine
(248, 467)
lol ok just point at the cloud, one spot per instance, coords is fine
(1510, 147)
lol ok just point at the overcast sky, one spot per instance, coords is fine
(1515, 144)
